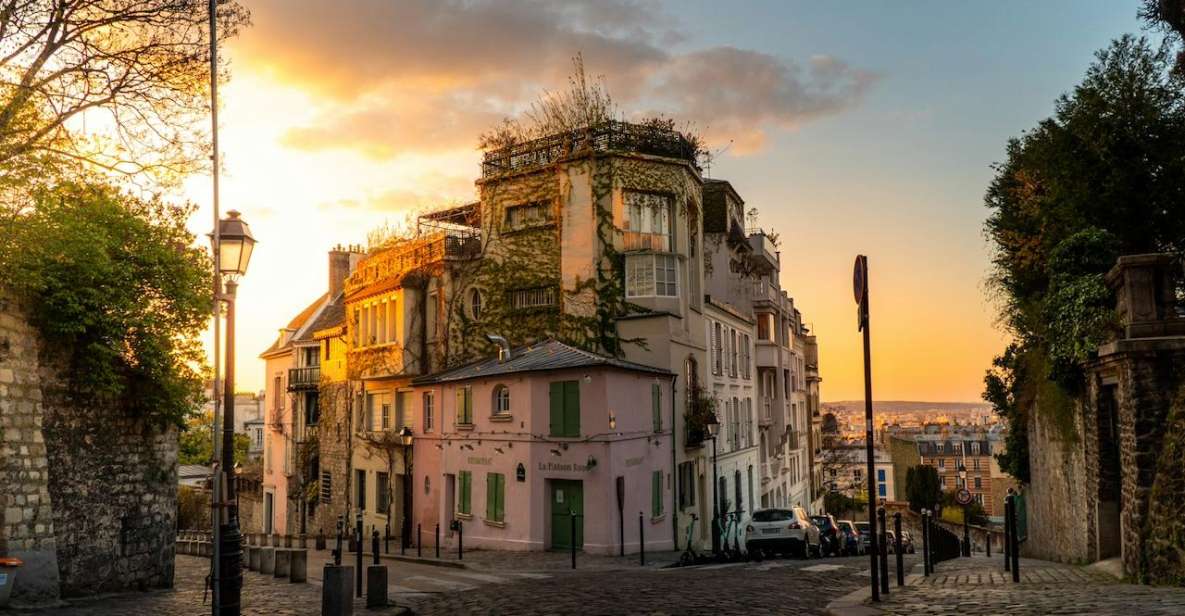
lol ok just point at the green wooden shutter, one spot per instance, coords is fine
(500, 493)
(571, 408)
(464, 478)
(656, 494)
(491, 496)
(460, 405)
(556, 398)
(468, 405)
(656, 405)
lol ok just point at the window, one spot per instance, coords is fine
(732, 349)
(403, 415)
(378, 411)
(326, 487)
(475, 304)
(881, 490)
(687, 485)
(978, 483)
(656, 406)
(736, 484)
(565, 408)
(495, 497)
(975, 448)
(656, 494)
(464, 491)
(648, 221)
(526, 215)
(942, 463)
(532, 298)
(360, 490)
(765, 326)
(880, 474)
(465, 406)
(382, 497)
(501, 405)
(717, 350)
(312, 408)
(429, 403)
(746, 357)
(650, 275)
(975, 464)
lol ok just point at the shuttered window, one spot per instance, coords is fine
(465, 406)
(656, 405)
(565, 408)
(465, 487)
(495, 497)
(656, 494)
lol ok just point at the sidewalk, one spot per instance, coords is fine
(981, 586)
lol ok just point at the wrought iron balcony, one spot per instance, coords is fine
(610, 136)
(303, 379)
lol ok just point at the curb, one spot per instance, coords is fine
(420, 560)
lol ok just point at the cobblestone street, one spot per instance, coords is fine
(770, 587)
(980, 586)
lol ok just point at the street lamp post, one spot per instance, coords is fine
(713, 430)
(966, 509)
(406, 438)
(233, 247)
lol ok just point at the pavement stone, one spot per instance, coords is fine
(981, 586)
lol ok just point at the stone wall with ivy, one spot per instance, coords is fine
(90, 490)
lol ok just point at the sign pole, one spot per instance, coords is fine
(860, 288)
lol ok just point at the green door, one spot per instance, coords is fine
(567, 497)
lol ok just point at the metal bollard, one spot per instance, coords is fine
(897, 549)
(358, 556)
(641, 539)
(926, 542)
(1007, 536)
(884, 550)
(419, 540)
(387, 538)
(572, 542)
(374, 543)
(1014, 547)
(437, 542)
(460, 540)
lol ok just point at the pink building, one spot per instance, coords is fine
(513, 446)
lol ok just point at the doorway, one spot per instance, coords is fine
(450, 501)
(566, 498)
(1110, 503)
(268, 509)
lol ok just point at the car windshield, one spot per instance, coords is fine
(773, 515)
(821, 521)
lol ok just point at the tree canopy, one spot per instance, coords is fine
(923, 487)
(115, 283)
(196, 446)
(1103, 177)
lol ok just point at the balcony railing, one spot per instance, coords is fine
(634, 240)
(604, 137)
(304, 378)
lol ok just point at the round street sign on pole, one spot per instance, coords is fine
(963, 497)
(858, 275)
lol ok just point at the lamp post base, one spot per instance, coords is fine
(230, 584)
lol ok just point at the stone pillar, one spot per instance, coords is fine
(376, 586)
(255, 556)
(298, 567)
(267, 560)
(283, 558)
(337, 592)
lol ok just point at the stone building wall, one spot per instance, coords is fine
(1058, 507)
(335, 432)
(94, 501)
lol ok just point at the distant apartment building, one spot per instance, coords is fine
(972, 449)
(845, 470)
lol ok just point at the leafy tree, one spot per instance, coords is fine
(923, 487)
(953, 512)
(196, 447)
(1167, 16)
(115, 285)
(840, 503)
(138, 66)
(1102, 177)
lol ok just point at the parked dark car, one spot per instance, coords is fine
(851, 543)
(828, 533)
(865, 540)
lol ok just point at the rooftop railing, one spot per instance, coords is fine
(611, 136)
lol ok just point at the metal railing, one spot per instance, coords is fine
(607, 136)
(636, 240)
(307, 377)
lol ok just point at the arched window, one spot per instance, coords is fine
(475, 304)
(501, 404)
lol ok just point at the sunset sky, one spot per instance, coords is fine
(855, 127)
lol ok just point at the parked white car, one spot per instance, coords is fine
(782, 530)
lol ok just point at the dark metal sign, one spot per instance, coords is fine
(520, 472)
(963, 497)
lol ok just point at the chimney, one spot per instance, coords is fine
(339, 269)
(503, 347)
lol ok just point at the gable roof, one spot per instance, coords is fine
(296, 324)
(543, 356)
(332, 315)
